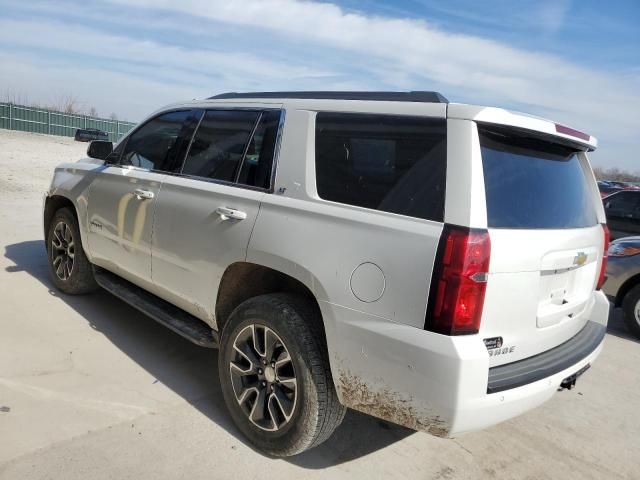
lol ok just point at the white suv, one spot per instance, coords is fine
(434, 264)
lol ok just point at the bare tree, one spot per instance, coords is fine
(113, 117)
(11, 96)
(598, 172)
(93, 112)
(70, 104)
(67, 103)
(615, 174)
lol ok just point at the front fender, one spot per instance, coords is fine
(72, 182)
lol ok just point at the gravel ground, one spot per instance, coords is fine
(90, 388)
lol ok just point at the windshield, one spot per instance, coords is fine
(533, 183)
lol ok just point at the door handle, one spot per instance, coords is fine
(143, 194)
(227, 213)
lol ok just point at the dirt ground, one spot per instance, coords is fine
(92, 389)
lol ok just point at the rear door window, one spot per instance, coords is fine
(219, 144)
(235, 146)
(391, 163)
(258, 161)
(532, 183)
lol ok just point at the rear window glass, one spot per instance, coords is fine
(533, 183)
(391, 163)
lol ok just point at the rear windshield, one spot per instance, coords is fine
(533, 183)
(391, 163)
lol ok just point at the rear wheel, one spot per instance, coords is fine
(69, 267)
(631, 309)
(275, 375)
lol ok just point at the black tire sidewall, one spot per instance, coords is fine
(293, 436)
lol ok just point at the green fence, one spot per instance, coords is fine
(40, 120)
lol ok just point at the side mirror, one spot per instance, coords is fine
(100, 149)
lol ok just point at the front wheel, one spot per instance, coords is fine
(275, 375)
(69, 267)
(631, 309)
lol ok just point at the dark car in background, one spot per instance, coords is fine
(89, 134)
(607, 188)
(623, 213)
(623, 280)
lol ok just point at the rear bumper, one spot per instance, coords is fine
(549, 363)
(440, 384)
(490, 409)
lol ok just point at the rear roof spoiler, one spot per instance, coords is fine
(521, 121)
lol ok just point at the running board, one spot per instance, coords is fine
(181, 322)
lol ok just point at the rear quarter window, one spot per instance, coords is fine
(391, 163)
(533, 183)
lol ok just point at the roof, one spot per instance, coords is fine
(413, 96)
(401, 103)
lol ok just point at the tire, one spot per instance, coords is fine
(69, 267)
(631, 309)
(309, 410)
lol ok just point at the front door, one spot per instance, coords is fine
(123, 196)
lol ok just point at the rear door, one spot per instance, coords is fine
(206, 213)
(123, 196)
(546, 242)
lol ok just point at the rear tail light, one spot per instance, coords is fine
(459, 281)
(603, 269)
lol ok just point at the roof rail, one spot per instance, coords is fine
(415, 96)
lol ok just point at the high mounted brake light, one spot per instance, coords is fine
(459, 281)
(603, 269)
(572, 133)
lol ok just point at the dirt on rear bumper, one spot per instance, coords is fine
(382, 402)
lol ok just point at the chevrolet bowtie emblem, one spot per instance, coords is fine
(580, 258)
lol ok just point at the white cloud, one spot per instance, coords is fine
(551, 14)
(33, 80)
(177, 62)
(305, 45)
(425, 54)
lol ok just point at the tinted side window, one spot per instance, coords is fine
(157, 144)
(533, 183)
(391, 163)
(257, 165)
(623, 201)
(219, 144)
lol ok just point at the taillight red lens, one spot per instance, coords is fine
(605, 255)
(459, 281)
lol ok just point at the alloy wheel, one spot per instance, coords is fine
(62, 250)
(263, 377)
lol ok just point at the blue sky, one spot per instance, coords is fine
(576, 62)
